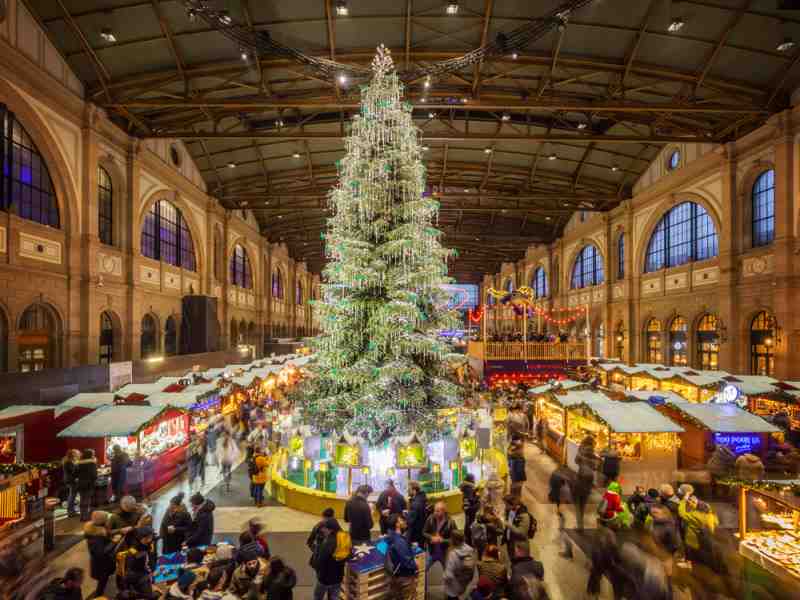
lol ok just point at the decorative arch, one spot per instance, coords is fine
(150, 335)
(110, 337)
(587, 267)
(241, 270)
(657, 215)
(171, 336)
(188, 217)
(111, 207)
(762, 209)
(707, 341)
(746, 183)
(685, 233)
(46, 143)
(39, 337)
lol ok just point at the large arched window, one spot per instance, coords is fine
(684, 234)
(105, 207)
(25, 184)
(277, 284)
(539, 283)
(678, 342)
(764, 209)
(106, 338)
(621, 256)
(149, 339)
(166, 236)
(37, 339)
(708, 342)
(653, 329)
(588, 268)
(762, 344)
(241, 274)
(170, 337)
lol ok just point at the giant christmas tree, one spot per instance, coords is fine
(381, 370)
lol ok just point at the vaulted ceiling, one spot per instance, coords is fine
(517, 141)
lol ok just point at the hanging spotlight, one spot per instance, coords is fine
(676, 25)
(231, 165)
(279, 123)
(427, 83)
(786, 45)
(191, 14)
(615, 167)
(342, 79)
(582, 125)
(244, 54)
(464, 100)
(423, 99)
(514, 55)
(452, 7)
(425, 148)
(487, 150)
(225, 17)
(341, 8)
(505, 117)
(295, 154)
(108, 35)
(431, 115)
(552, 156)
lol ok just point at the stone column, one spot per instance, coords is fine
(729, 237)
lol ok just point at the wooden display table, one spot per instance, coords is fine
(365, 578)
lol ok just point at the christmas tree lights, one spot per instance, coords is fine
(381, 369)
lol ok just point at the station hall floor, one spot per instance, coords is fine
(288, 529)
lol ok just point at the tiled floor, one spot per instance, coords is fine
(566, 579)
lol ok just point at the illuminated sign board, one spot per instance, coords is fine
(739, 443)
(463, 296)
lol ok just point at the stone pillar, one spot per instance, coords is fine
(728, 267)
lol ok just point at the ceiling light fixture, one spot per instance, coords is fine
(278, 123)
(786, 45)
(108, 35)
(487, 150)
(191, 14)
(341, 9)
(506, 117)
(464, 100)
(342, 79)
(425, 148)
(295, 154)
(582, 125)
(514, 55)
(225, 17)
(452, 7)
(466, 190)
(231, 165)
(427, 82)
(552, 156)
(424, 100)
(615, 168)
(245, 55)
(676, 25)
(431, 115)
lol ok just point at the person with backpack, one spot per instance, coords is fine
(400, 565)
(471, 504)
(516, 464)
(328, 562)
(493, 569)
(487, 529)
(202, 530)
(358, 513)
(315, 537)
(437, 531)
(460, 566)
(64, 588)
(390, 502)
(135, 567)
(520, 524)
(527, 574)
(417, 513)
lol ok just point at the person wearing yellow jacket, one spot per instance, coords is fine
(699, 523)
(260, 477)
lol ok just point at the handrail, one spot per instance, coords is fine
(527, 350)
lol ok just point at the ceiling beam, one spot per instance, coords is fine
(634, 49)
(712, 57)
(487, 19)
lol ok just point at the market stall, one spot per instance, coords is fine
(692, 386)
(24, 522)
(646, 440)
(769, 536)
(155, 436)
(770, 398)
(28, 432)
(708, 425)
(551, 409)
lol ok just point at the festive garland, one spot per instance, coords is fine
(17, 468)
(762, 485)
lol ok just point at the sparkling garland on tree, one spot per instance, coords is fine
(381, 370)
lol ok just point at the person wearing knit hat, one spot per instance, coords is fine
(175, 525)
(249, 574)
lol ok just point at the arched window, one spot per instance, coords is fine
(621, 256)
(678, 342)
(105, 207)
(25, 184)
(674, 160)
(764, 209)
(277, 284)
(166, 236)
(298, 293)
(588, 268)
(170, 337)
(149, 339)
(539, 283)
(708, 343)
(684, 234)
(654, 341)
(106, 338)
(241, 275)
(37, 339)
(762, 344)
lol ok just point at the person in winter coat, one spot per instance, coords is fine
(69, 467)
(358, 513)
(416, 513)
(611, 464)
(437, 531)
(611, 511)
(196, 458)
(330, 572)
(558, 479)
(390, 502)
(214, 586)
(484, 590)
(749, 467)
(259, 478)
(255, 532)
(228, 454)
(280, 581)
(403, 583)
(183, 587)
(101, 551)
(120, 461)
(516, 464)
(527, 574)
(721, 462)
(460, 566)
(201, 531)
(175, 525)
(138, 565)
(666, 541)
(249, 575)
(699, 525)
(586, 460)
(315, 537)
(86, 475)
(487, 529)
(127, 518)
(64, 588)
(493, 569)
(518, 522)
(471, 503)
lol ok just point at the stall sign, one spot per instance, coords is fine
(119, 374)
(730, 394)
(739, 443)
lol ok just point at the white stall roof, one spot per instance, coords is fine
(726, 418)
(634, 417)
(85, 400)
(213, 373)
(20, 410)
(117, 420)
(566, 384)
(202, 389)
(174, 399)
(754, 384)
(244, 380)
(142, 389)
(575, 397)
(699, 379)
(645, 395)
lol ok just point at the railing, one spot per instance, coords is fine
(527, 351)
